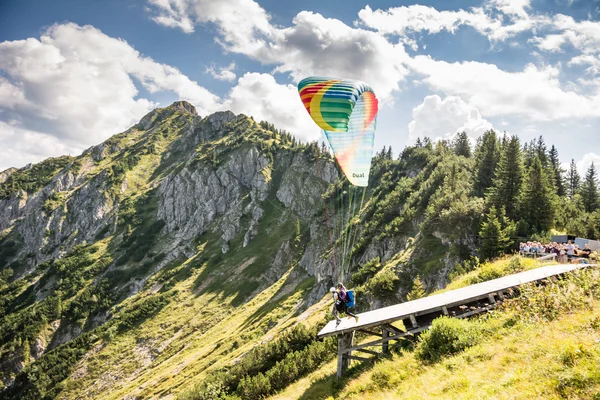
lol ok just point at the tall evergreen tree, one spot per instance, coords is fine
(557, 172)
(541, 151)
(589, 190)
(539, 198)
(461, 145)
(487, 154)
(382, 154)
(493, 237)
(508, 179)
(573, 179)
(389, 155)
(417, 291)
(529, 152)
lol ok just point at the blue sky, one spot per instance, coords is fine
(72, 73)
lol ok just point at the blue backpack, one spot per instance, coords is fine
(351, 298)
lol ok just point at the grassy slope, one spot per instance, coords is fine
(206, 326)
(519, 360)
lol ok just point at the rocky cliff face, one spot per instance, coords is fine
(79, 203)
(220, 208)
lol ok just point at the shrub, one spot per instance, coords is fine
(366, 271)
(556, 297)
(383, 284)
(381, 378)
(447, 336)
(254, 387)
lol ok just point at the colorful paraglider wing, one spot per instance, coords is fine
(347, 112)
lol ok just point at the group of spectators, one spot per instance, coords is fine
(565, 252)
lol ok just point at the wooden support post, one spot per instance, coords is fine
(500, 295)
(344, 343)
(413, 320)
(445, 310)
(492, 299)
(385, 348)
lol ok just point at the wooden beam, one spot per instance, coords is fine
(477, 311)
(369, 332)
(445, 310)
(492, 299)
(368, 351)
(358, 358)
(392, 328)
(394, 337)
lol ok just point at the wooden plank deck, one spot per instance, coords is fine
(411, 309)
(417, 315)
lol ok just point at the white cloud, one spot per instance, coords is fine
(20, 146)
(593, 63)
(75, 83)
(316, 45)
(534, 93)
(223, 73)
(583, 36)
(550, 43)
(512, 7)
(586, 161)
(313, 45)
(444, 118)
(260, 96)
(417, 18)
(414, 18)
(240, 22)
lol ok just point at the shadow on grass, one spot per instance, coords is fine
(271, 304)
(329, 385)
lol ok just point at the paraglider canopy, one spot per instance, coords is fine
(346, 110)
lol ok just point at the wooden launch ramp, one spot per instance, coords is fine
(417, 315)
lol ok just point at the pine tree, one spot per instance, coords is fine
(493, 237)
(557, 172)
(573, 179)
(529, 150)
(389, 155)
(461, 145)
(541, 151)
(26, 351)
(589, 190)
(539, 198)
(487, 154)
(508, 179)
(381, 155)
(417, 290)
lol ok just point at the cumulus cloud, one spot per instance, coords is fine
(582, 35)
(313, 45)
(437, 118)
(260, 96)
(316, 45)
(418, 18)
(586, 161)
(241, 23)
(76, 84)
(535, 92)
(223, 73)
(20, 146)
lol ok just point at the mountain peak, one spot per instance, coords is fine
(159, 114)
(184, 106)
